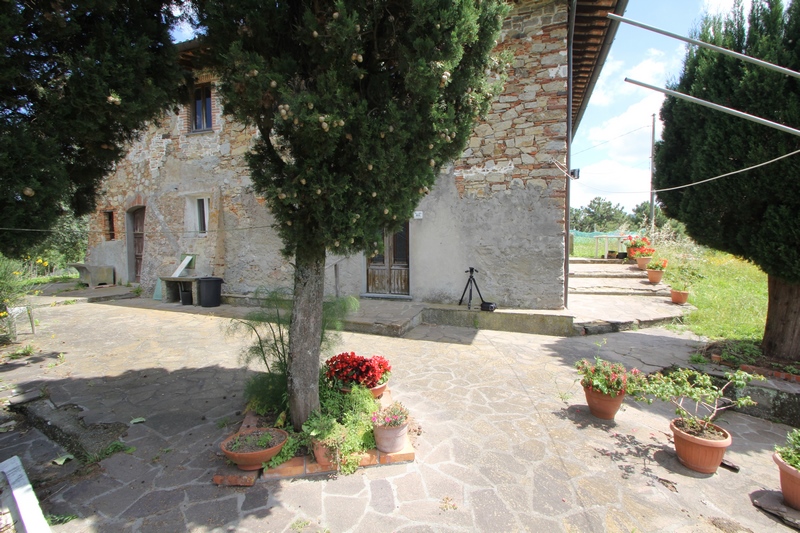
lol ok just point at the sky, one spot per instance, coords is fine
(612, 145)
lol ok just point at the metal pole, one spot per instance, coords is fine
(717, 107)
(652, 177)
(702, 44)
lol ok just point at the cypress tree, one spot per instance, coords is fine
(753, 214)
(358, 103)
(79, 80)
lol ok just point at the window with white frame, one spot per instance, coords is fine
(197, 210)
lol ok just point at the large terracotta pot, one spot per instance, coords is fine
(253, 460)
(679, 297)
(641, 262)
(377, 391)
(390, 440)
(654, 276)
(603, 406)
(698, 454)
(790, 482)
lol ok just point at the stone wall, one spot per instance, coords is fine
(500, 208)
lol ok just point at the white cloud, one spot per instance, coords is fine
(714, 7)
(603, 93)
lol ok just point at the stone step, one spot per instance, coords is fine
(617, 286)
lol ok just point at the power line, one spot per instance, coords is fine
(609, 140)
(765, 163)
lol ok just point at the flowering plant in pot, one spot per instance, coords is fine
(788, 460)
(634, 243)
(655, 270)
(605, 385)
(390, 426)
(642, 256)
(348, 369)
(699, 444)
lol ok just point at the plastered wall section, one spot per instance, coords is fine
(501, 207)
(165, 172)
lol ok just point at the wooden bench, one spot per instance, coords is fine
(94, 275)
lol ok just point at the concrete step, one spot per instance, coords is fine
(595, 270)
(617, 286)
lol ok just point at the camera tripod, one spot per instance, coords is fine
(470, 283)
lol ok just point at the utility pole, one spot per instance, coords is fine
(652, 177)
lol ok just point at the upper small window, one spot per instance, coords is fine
(202, 108)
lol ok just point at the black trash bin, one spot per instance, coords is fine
(210, 291)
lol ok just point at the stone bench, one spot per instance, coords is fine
(94, 275)
(171, 288)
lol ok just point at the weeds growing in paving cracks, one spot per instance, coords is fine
(447, 504)
(223, 422)
(58, 519)
(110, 450)
(19, 353)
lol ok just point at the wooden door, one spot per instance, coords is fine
(387, 273)
(138, 242)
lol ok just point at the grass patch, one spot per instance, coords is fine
(730, 293)
(44, 280)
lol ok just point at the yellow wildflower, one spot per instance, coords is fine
(3, 314)
(39, 261)
(16, 273)
(44, 264)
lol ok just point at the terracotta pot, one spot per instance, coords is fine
(654, 276)
(679, 297)
(253, 460)
(389, 440)
(641, 262)
(377, 391)
(603, 406)
(698, 454)
(790, 482)
(321, 453)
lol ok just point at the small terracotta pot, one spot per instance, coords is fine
(603, 406)
(321, 453)
(641, 262)
(790, 482)
(654, 276)
(679, 297)
(698, 454)
(390, 440)
(253, 460)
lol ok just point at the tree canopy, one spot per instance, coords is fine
(752, 214)
(80, 79)
(358, 104)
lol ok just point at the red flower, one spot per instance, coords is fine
(349, 369)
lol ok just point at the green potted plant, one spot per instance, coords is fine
(655, 270)
(788, 460)
(341, 430)
(681, 279)
(390, 426)
(605, 385)
(251, 448)
(699, 444)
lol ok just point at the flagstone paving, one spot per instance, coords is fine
(506, 441)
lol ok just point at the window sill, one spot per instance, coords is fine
(199, 132)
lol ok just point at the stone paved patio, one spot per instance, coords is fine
(507, 443)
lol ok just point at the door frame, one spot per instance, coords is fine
(388, 240)
(130, 240)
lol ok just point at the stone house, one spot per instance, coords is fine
(184, 188)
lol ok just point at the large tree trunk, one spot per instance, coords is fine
(782, 333)
(305, 334)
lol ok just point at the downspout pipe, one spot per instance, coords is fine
(570, 39)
